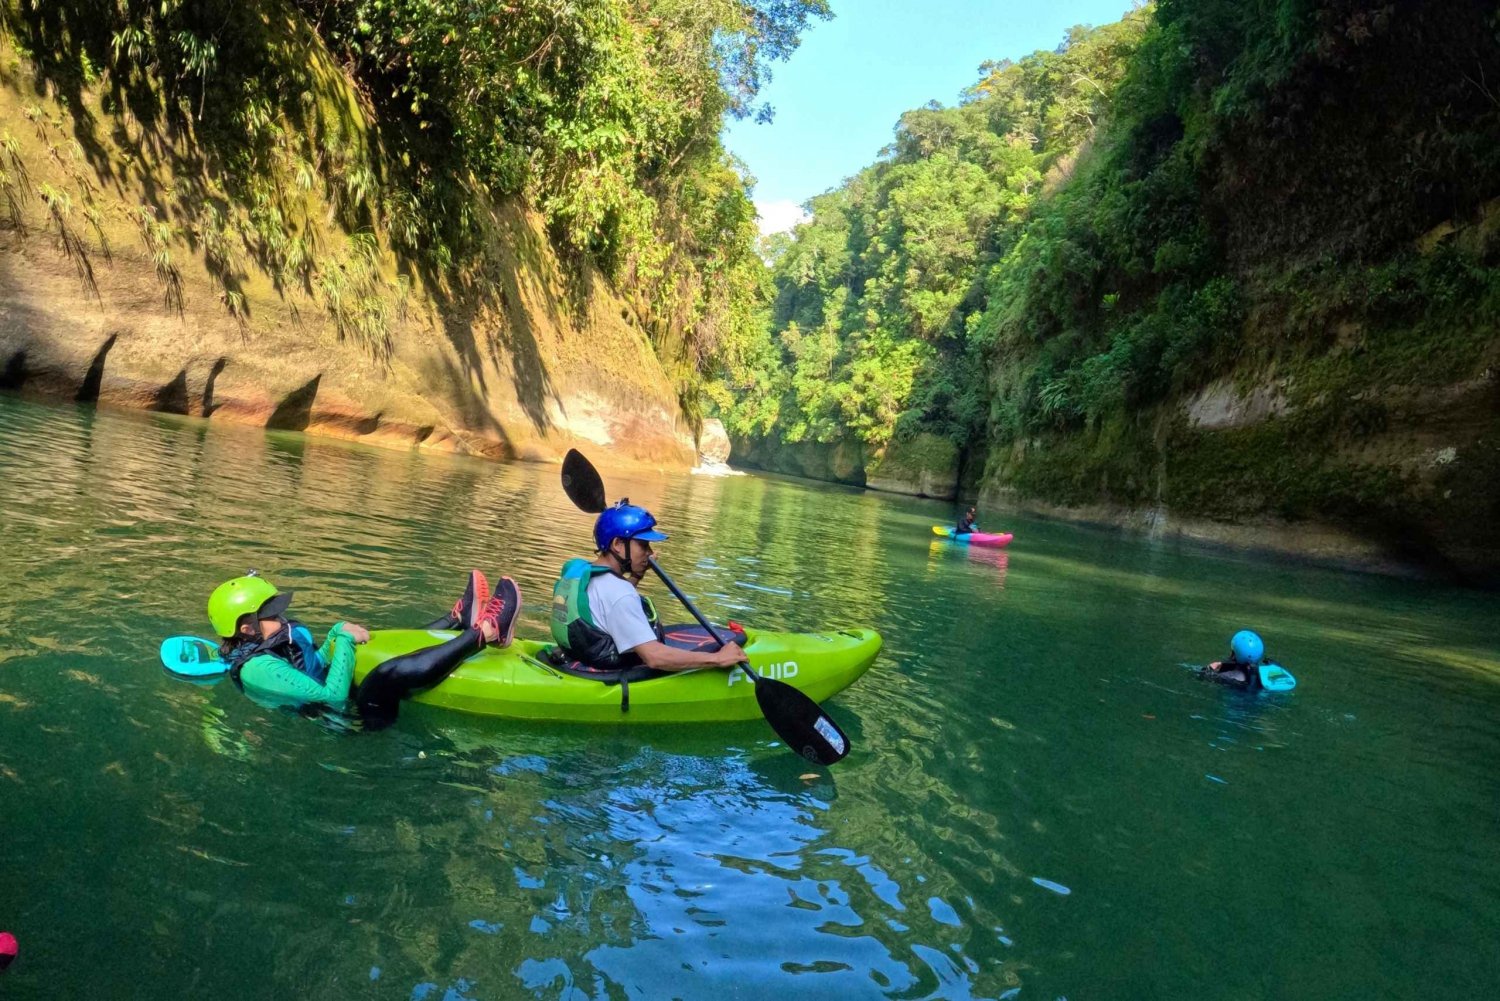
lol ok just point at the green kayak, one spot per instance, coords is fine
(521, 682)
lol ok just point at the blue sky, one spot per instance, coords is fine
(838, 98)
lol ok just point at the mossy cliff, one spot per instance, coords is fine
(1382, 444)
(1223, 268)
(923, 465)
(836, 462)
(1271, 297)
(145, 263)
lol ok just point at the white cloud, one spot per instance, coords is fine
(779, 217)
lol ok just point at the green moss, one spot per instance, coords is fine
(1286, 467)
(1115, 463)
(1415, 320)
(911, 458)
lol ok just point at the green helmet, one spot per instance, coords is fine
(242, 596)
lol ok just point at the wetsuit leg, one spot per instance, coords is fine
(379, 696)
(446, 622)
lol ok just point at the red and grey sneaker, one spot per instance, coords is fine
(502, 611)
(468, 609)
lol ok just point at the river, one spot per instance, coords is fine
(1041, 802)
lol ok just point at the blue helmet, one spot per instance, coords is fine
(625, 521)
(1246, 647)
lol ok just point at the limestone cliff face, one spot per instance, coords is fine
(713, 442)
(838, 462)
(924, 465)
(1384, 474)
(113, 289)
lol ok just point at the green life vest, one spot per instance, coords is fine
(573, 626)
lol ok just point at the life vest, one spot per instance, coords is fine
(292, 643)
(573, 626)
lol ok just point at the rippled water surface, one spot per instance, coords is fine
(1042, 802)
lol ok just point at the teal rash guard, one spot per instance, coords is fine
(277, 679)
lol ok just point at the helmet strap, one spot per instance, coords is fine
(613, 561)
(626, 571)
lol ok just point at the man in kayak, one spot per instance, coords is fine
(1242, 668)
(966, 524)
(600, 618)
(274, 659)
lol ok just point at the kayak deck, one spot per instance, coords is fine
(520, 682)
(991, 539)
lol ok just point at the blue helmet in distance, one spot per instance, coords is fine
(625, 521)
(1246, 647)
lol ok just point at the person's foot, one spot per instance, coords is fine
(498, 623)
(469, 608)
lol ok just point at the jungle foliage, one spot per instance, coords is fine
(1205, 184)
(872, 323)
(604, 114)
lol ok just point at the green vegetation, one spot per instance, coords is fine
(603, 114)
(1223, 191)
(874, 324)
(1299, 198)
(1295, 195)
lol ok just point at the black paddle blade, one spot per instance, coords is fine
(581, 482)
(799, 722)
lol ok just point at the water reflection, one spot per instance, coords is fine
(1035, 773)
(999, 559)
(994, 562)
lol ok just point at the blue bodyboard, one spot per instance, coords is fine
(192, 657)
(1275, 678)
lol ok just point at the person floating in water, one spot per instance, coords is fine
(274, 659)
(966, 524)
(1242, 667)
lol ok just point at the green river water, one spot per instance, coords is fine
(1042, 801)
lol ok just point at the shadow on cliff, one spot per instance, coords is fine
(485, 318)
(13, 373)
(185, 132)
(178, 143)
(94, 377)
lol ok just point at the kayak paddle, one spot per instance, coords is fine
(581, 482)
(799, 721)
(796, 718)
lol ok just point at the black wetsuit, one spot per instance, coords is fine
(283, 672)
(378, 698)
(1242, 676)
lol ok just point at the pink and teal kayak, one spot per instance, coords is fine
(975, 538)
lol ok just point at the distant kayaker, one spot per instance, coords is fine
(274, 659)
(966, 524)
(600, 618)
(1241, 669)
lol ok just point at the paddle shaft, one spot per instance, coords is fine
(677, 593)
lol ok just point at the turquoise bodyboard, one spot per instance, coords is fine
(1275, 678)
(192, 657)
